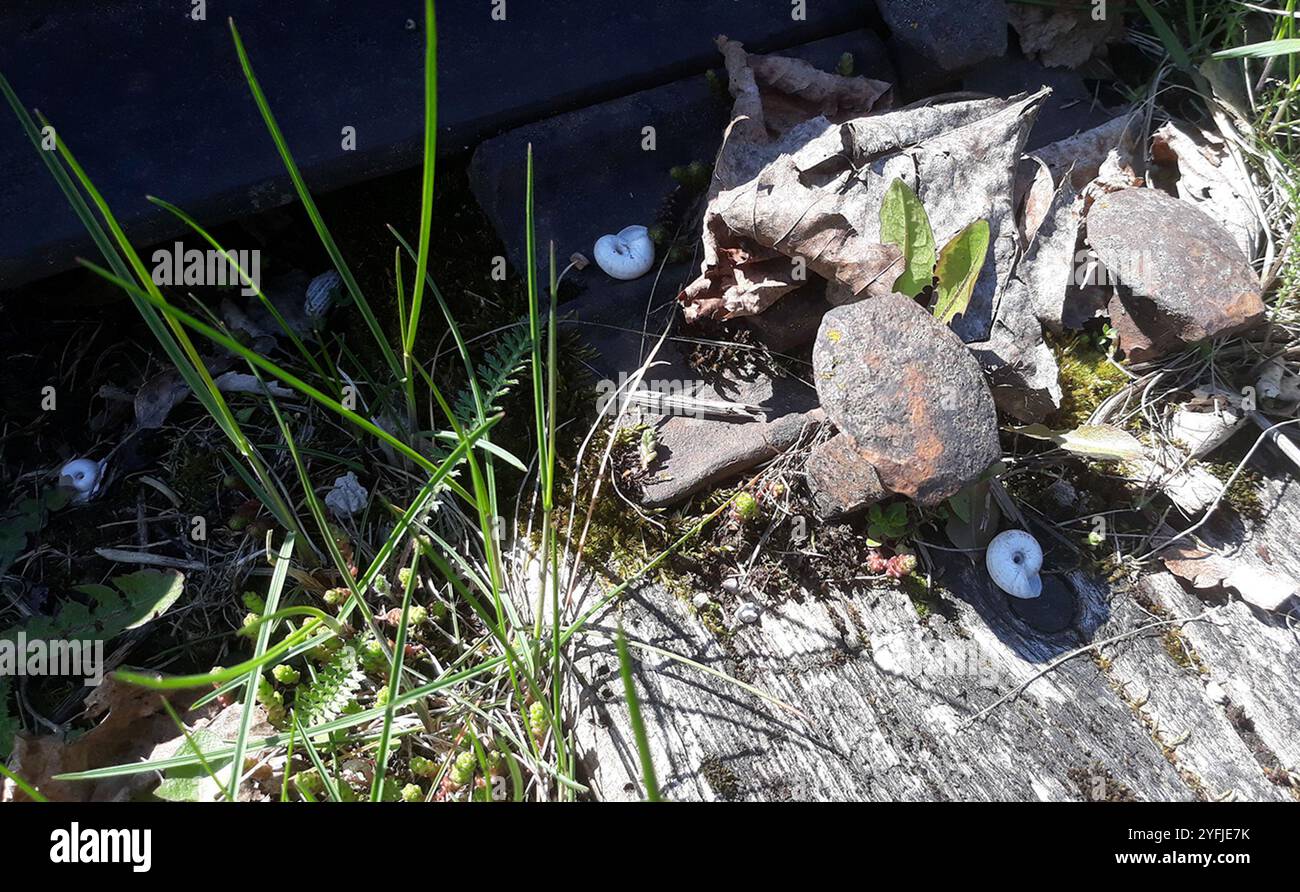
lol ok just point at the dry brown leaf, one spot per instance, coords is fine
(779, 104)
(1208, 177)
(772, 95)
(134, 723)
(1035, 189)
(1082, 155)
(1050, 266)
(165, 391)
(815, 204)
(1204, 569)
(793, 91)
(157, 397)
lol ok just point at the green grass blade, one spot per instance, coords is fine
(280, 651)
(173, 341)
(288, 765)
(266, 365)
(634, 717)
(257, 290)
(394, 684)
(32, 792)
(1261, 50)
(534, 322)
(331, 789)
(192, 367)
(364, 717)
(430, 158)
(309, 204)
(278, 577)
(317, 509)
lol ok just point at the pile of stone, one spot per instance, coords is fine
(1077, 231)
(1086, 220)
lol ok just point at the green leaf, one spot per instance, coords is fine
(1102, 441)
(497, 373)
(155, 590)
(27, 516)
(975, 516)
(903, 222)
(634, 716)
(141, 596)
(1261, 50)
(958, 269)
(309, 205)
(193, 783)
(336, 683)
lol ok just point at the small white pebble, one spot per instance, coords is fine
(747, 613)
(701, 601)
(731, 585)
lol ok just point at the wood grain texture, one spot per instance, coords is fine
(888, 698)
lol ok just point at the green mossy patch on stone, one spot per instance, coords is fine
(1087, 377)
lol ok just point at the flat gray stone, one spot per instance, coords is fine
(909, 393)
(1183, 279)
(931, 41)
(1070, 109)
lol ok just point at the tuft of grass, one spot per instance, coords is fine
(485, 664)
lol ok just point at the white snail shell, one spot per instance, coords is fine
(321, 292)
(1013, 559)
(83, 475)
(347, 496)
(628, 255)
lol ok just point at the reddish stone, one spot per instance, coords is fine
(909, 393)
(1182, 277)
(841, 478)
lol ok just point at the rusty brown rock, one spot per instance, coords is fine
(909, 393)
(841, 478)
(1183, 279)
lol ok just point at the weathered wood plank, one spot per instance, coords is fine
(1161, 678)
(895, 703)
(886, 695)
(1252, 659)
(1253, 655)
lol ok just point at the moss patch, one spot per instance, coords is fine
(1244, 492)
(1087, 378)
